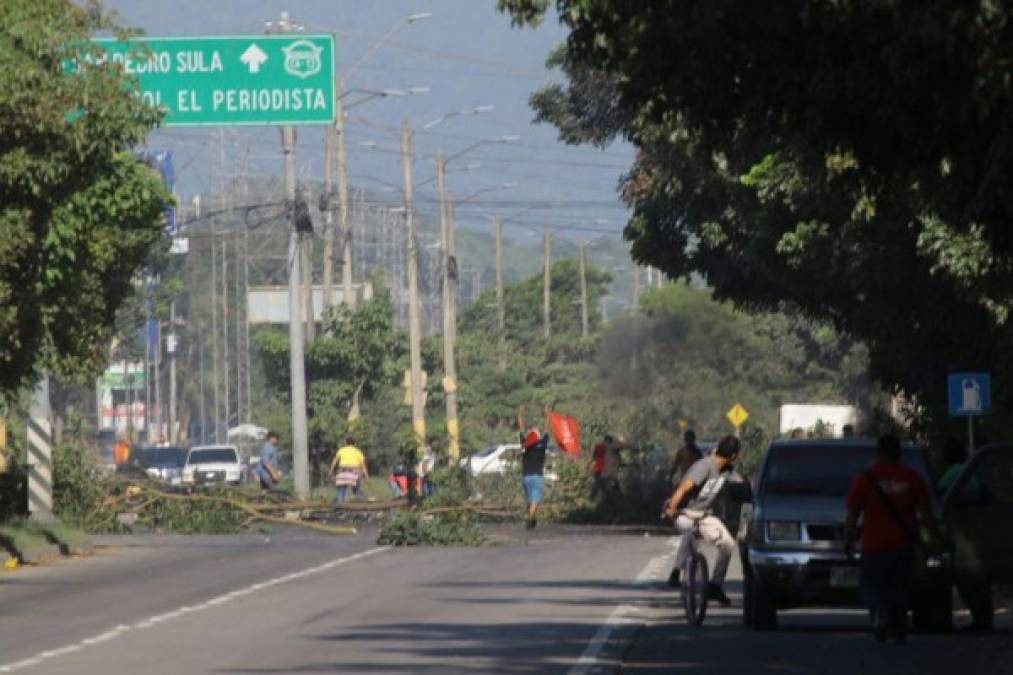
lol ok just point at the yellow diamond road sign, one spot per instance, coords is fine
(737, 415)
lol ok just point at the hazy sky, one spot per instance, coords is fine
(466, 53)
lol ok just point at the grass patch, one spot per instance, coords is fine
(24, 542)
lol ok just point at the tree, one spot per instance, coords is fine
(850, 158)
(356, 359)
(78, 213)
(539, 372)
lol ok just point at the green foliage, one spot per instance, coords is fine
(79, 214)
(80, 488)
(443, 529)
(715, 356)
(358, 355)
(849, 158)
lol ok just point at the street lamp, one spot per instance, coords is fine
(383, 39)
(491, 188)
(370, 94)
(468, 110)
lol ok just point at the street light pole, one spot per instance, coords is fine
(546, 283)
(500, 307)
(582, 265)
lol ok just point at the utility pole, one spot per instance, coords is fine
(214, 336)
(346, 230)
(240, 304)
(300, 441)
(173, 435)
(582, 266)
(296, 344)
(450, 280)
(147, 377)
(546, 282)
(203, 395)
(328, 277)
(414, 320)
(500, 304)
(306, 251)
(604, 312)
(158, 378)
(225, 337)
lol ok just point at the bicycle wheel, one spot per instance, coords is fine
(694, 589)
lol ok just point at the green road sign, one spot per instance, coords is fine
(255, 79)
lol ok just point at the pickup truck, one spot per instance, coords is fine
(212, 464)
(791, 538)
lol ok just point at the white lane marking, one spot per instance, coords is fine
(654, 571)
(181, 611)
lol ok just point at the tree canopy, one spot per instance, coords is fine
(850, 158)
(78, 213)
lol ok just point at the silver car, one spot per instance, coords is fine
(792, 537)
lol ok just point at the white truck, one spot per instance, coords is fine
(805, 416)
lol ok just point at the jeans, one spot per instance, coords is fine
(713, 531)
(534, 487)
(885, 578)
(341, 493)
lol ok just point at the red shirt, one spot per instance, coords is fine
(599, 459)
(905, 489)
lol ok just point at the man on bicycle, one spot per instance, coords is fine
(690, 507)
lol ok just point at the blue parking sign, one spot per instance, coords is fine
(970, 394)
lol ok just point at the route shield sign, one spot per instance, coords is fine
(219, 81)
(737, 415)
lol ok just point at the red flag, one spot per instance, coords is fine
(566, 432)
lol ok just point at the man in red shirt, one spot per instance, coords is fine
(892, 498)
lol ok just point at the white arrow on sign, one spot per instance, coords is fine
(253, 57)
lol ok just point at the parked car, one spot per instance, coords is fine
(792, 537)
(163, 463)
(979, 517)
(213, 464)
(497, 459)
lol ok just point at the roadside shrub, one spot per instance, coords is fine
(442, 529)
(79, 486)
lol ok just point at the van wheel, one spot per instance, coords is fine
(763, 613)
(747, 600)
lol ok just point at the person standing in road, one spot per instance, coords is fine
(685, 457)
(533, 446)
(267, 468)
(348, 469)
(606, 465)
(691, 504)
(891, 498)
(121, 452)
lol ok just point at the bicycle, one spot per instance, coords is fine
(695, 575)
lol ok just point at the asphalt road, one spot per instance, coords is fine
(560, 600)
(308, 603)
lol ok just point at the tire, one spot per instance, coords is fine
(694, 589)
(763, 611)
(747, 599)
(933, 612)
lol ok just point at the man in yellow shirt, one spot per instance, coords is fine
(348, 469)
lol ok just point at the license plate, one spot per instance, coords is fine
(844, 577)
